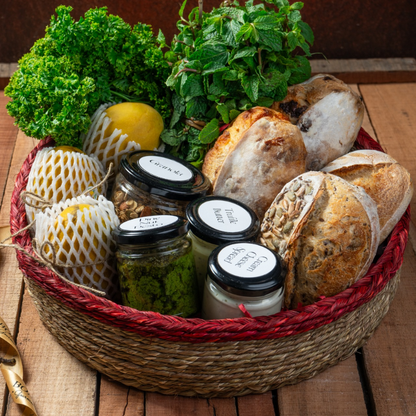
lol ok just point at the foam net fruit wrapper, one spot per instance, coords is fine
(107, 148)
(79, 229)
(57, 175)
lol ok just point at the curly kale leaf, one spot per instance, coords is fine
(80, 65)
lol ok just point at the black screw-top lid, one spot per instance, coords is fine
(150, 229)
(246, 269)
(219, 220)
(164, 175)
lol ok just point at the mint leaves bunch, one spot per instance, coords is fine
(80, 65)
(227, 61)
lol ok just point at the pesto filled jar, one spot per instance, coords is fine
(155, 183)
(156, 265)
(215, 220)
(243, 274)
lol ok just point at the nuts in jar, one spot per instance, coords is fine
(154, 183)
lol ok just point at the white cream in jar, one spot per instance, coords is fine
(243, 274)
(215, 220)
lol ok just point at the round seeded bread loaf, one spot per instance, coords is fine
(328, 113)
(327, 232)
(255, 158)
(383, 178)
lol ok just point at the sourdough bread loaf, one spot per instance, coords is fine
(383, 178)
(328, 113)
(252, 163)
(327, 232)
(214, 159)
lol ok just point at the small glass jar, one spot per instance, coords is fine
(215, 220)
(155, 183)
(156, 265)
(246, 274)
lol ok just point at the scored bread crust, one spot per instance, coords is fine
(268, 155)
(329, 115)
(330, 243)
(301, 97)
(383, 178)
(215, 157)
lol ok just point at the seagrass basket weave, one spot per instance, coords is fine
(194, 357)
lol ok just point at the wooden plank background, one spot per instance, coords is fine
(343, 29)
(373, 71)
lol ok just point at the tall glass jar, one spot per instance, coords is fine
(156, 265)
(215, 220)
(155, 183)
(243, 274)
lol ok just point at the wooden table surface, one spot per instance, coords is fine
(379, 380)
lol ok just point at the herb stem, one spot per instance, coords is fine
(199, 122)
(260, 62)
(193, 124)
(200, 4)
(181, 41)
(186, 70)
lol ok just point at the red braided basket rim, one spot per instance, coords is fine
(195, 330)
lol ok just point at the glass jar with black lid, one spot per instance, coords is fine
(156, 266)
(155, 183)
(215, 220)
(243, 274)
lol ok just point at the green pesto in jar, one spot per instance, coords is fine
(164, 284)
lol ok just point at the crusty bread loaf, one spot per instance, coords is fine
(383, 178)
(214, 159)
(327, 232)
(328, 113)
(256, 162)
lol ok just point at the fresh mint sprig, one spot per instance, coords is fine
(230, 60)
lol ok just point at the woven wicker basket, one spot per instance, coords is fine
(222, 358)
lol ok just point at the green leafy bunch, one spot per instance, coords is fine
(228, 61)
(80, 65)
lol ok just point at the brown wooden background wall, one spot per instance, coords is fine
(343, 28)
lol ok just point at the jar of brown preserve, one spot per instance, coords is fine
(155, 183)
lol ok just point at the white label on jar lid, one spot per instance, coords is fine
(165, 168)
(224, 216)
(246, 260)
(146, 223)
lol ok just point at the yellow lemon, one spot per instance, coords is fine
(131, 126)
(80, 243)
(73, 232)
(141, 122)
(68, 149)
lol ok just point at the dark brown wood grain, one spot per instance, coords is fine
(117, 399)
(353, 29)
(336, 391)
